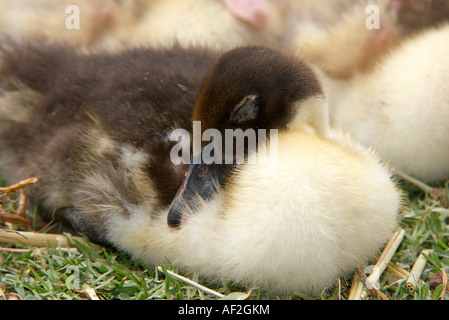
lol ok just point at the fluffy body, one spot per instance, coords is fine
(293, 222)
(401, 108)
(345, 46)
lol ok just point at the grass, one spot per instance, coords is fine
(89, 272)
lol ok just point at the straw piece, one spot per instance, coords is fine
(192, 283)
(15, 219)
(356, 287)
(412, 180)
(384, 260)
(370, 286)
(417, 270)
(89, 292)
(2, 294)
(445, 287)
(387, 255)
(39, 250)
(19, 186)
(397, 271)
(38, 239)
(438, 194)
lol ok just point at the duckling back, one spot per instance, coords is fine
(94, 127)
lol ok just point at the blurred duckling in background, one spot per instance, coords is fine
(91, 22)
(346, 46)
(120, 24)
(315, 28)
(215, 24)
(94, 127)
(414, 16)
(401, 108)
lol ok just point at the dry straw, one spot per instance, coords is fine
(417, 270)
(358, 293)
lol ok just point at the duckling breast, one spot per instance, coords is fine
(308, 217)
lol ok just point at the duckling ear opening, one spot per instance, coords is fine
(246, 110)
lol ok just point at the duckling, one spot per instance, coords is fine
(79, 22)
(249, 88)
(95, 132)
(346, 46)
(54, 125)
(401, 108)
(216, 24)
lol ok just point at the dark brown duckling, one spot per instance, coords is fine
(97, 124)
(249, 88)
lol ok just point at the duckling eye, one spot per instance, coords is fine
(202, 172)
(246, 110)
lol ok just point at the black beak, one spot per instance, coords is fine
(201, 180)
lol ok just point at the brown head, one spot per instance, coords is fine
(250, 88)
(254, 87)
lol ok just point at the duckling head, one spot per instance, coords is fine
(250, 88)
(258, 87)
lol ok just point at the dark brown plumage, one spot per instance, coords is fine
(276, 79)
(72, 102)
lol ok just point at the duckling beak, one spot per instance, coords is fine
(201, 181)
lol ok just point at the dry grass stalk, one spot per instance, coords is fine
(387, 255)
(381, 264)
(19, 217)
(370, 286)
(445, 287)
(38, 251)
(438, 194)
(192, 283)
(38, 239)
(89, 292)
(356, 287)
(397, 271)
(15, 219)
(413, 181)
(19, 186)
(417, 270)
(2, 294)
